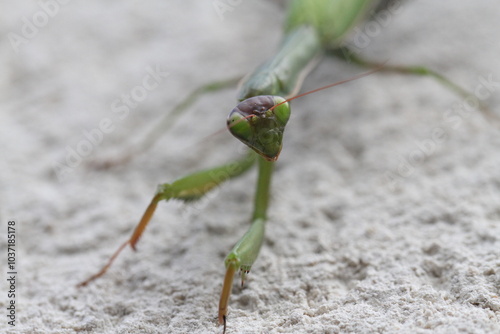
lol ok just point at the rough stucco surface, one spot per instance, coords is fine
(385, 210)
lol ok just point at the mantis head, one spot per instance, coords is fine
(259, 122)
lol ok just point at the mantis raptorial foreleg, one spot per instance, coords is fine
(246, 250)
(188, 188)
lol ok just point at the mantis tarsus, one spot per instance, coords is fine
(309, 44)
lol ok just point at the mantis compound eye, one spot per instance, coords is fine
(259, 122)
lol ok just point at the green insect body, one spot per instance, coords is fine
(259, 120)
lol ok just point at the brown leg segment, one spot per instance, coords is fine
(146, 217)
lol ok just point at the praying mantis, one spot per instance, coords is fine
(309, 44)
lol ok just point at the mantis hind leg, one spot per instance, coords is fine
(350, 56)
(164, 124)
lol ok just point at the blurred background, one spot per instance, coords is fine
(84, 81)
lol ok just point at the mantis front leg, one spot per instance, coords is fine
(189, 188)
(244, 253)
